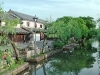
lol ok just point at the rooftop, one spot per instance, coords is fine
(23, 16)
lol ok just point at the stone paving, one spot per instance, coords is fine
(39, 44)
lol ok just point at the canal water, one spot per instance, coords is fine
(83, 60)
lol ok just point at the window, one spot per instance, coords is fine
(40, 26)
(28, 24)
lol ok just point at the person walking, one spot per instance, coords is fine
(5, 57)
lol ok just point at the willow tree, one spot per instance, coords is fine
(91, 25)
(68, 27)
(59, 29)
(90, 22)
(82, 26)
(65, 19)
(74, 28)
(64, 28)
(6, 29)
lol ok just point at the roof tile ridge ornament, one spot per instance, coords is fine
(15, 15)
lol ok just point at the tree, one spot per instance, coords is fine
(59, 28)
(8, 28)
(82, 26)
(75, 30)
(68, 27)
(65, 19)
(91, 25)
(90, 22)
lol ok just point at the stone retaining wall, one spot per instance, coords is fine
(18, 70)
(42, 57)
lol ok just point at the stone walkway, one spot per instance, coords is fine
(39, 44)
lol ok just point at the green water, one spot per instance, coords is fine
(81, 61)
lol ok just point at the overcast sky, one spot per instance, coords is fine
(55, 8)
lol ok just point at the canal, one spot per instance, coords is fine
(83, 60)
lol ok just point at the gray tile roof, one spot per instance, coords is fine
(23, 16)
(33, 29)
(17, 30)
(6, 16)
(21, 31)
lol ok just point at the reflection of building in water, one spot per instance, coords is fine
(98, 60)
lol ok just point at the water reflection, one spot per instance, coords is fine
(95, 44)
(78, 62)
(73, 63)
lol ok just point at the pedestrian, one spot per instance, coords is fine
(49, 48)
(5, 57)
(46, 47)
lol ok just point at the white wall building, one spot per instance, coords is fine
(28, 22)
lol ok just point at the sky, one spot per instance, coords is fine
(44, 9)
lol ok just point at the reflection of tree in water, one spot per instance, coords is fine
(32, 69)
(35, 66)
(72, 63)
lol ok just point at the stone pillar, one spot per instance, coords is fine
(31, 42)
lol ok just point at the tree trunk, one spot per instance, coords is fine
(15, 50)
(44, 69)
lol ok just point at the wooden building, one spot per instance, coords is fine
(20, 36)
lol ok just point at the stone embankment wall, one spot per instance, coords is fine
(42, 57)
(18, 70)
(28, 53)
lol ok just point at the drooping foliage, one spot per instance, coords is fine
(90, 23)
(65, 19)
(67, 27)
(82, 26)
(74, 28)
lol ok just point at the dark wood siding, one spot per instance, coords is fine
(19, 38)
(41, 36)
